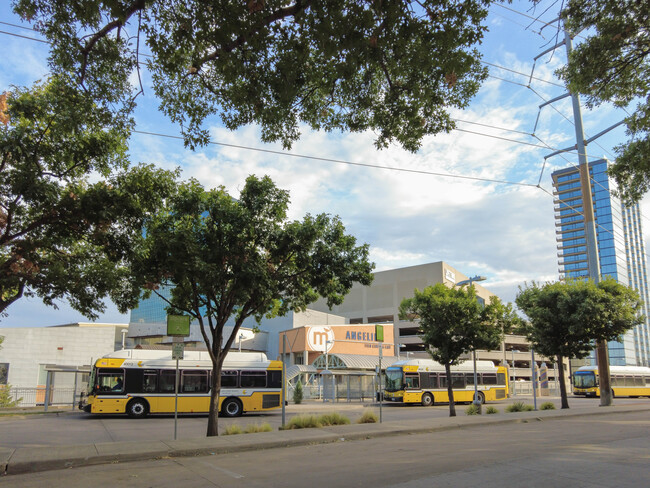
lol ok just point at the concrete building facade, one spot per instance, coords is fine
(66, 351)
(379, 303)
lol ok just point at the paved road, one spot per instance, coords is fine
(591, 451)
(75, 427)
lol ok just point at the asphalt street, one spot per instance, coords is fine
(606, 448)
(68, 426)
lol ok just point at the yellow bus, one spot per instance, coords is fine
(424, 381)
(138, 382)
(631, 381)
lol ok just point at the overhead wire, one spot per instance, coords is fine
(544, 145)
(341, 161)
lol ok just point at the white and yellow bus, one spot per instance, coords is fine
(424, 381)
(630, 381)
(138, 382)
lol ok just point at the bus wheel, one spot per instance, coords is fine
(427, 400)
(137, 408)
(480, 397)
(231, 407)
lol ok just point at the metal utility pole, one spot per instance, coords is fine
(602, 356)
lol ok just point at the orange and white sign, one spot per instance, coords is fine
(320, 338)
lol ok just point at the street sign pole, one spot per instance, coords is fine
(178, 348)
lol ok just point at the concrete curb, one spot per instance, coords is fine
(37, 459)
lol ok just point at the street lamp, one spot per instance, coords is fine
(469, 282)
(327, 347)
(514, 375)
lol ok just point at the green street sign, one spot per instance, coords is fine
(379, 333)
(178, 325)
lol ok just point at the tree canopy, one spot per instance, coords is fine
(227, 258)
(391, 67)
(613, 65)
(71, 210)
(453, 323)
(568, 318)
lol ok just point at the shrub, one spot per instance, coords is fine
(333, 419)
(519, 407)
(311, 421)
(547, 406)
(6, 400)
(473, 410)
(253, 428)
(233, 430)
(297, 393)
(368, 417)
(491, 410)
(303, 422)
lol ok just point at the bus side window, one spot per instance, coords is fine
(167, 381)
(229, 379)
(613, 381)
(501, 378)
(429, 380)
(412, 381)
(457, 380)
(638, 381)
(490, 379)
(110, 379)
(149, 380)
(253, 379)
(275, 379)
(194, 381)
(469, 378)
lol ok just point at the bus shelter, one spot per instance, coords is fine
(349, 377)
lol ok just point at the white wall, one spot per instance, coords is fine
(25, 348)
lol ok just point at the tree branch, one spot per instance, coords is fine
(279, 14)
(137, 6)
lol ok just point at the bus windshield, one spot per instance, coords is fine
(393, 380)
(584, 379)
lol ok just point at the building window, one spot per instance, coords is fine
(379, 319)
(4, 373)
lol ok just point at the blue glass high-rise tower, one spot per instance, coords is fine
(621, 248)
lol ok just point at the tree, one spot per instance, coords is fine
(613, 65)
(61, 235)
(390, 67)
(453, 323)
(297, 393)
(226, 258)
(567, 318)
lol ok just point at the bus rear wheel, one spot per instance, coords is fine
(427, 400)
(480, 398)
(137, 408)
(232, 407)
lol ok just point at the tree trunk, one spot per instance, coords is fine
(560, 371)
(450, 391)
(606, 398)
(215, 389)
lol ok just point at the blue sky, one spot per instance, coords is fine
(503, 231)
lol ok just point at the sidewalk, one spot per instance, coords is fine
(34, 459)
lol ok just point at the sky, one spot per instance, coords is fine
(470, 198)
